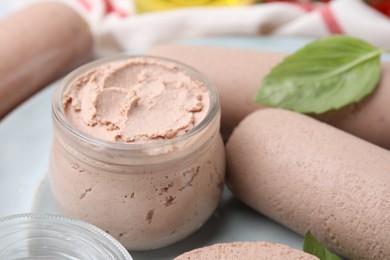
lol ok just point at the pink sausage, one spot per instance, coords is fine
(238, 74)
(37, 45)
(246, 250)
(308, 175)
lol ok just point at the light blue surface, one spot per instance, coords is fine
(282, 44)
(6, 7)
(25, 137)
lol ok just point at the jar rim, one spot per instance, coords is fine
(59, 115)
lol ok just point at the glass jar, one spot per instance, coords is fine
(36, 236)
(146, 195)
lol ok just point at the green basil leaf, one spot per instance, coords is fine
(311, 246)
(325, 74)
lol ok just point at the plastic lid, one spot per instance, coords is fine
(41, 236)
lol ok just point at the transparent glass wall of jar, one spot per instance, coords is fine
(146, 195)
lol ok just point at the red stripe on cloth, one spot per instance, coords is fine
(86, 4)
(110, 8)
(305, 6)
(330, 21)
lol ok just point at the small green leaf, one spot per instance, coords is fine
(311, 246)
(326, 74)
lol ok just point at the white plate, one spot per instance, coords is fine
(25, 137)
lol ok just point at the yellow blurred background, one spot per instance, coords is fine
(143, 6)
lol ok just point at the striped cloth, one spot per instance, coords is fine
(117, 27)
